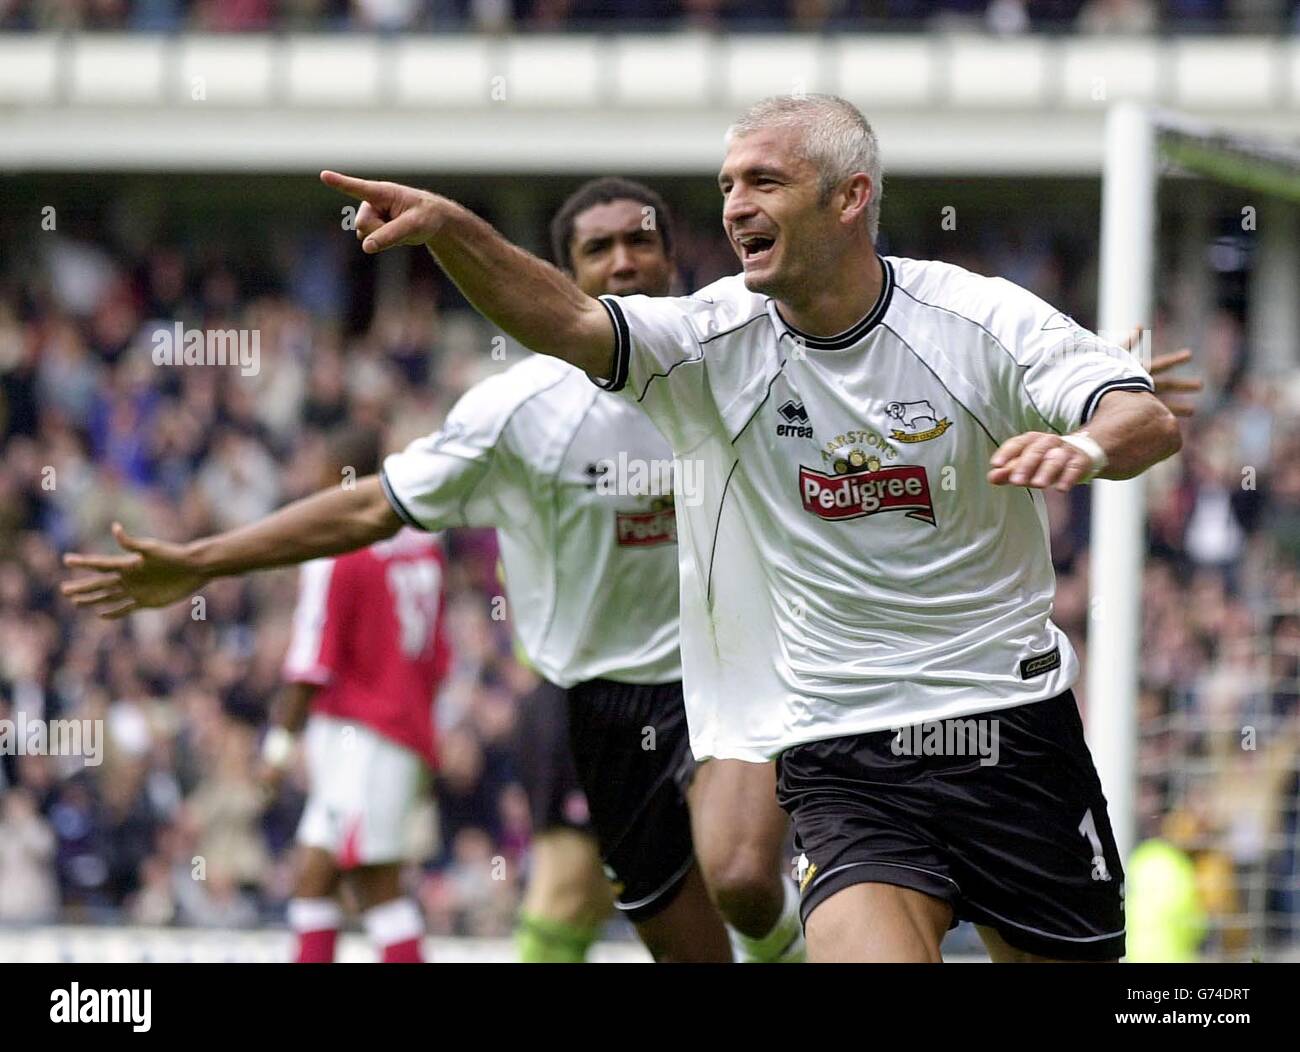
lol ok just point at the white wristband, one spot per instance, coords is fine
(1089, 447)
(277, 746)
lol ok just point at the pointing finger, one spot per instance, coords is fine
(361, 189)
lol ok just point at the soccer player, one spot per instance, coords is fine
(366, 656)
(615, 236)
(871, 555)
(590, 563)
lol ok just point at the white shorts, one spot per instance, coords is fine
(363, 789)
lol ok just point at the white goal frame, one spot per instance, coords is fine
(1137, 139)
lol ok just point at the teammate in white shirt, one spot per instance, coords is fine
(871, 554)
(579, 486)
(617, 625)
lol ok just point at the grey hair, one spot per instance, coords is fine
(836, 140)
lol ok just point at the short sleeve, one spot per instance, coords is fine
(314, 641)
(659, 362)
(463, 474)
(1063, 369)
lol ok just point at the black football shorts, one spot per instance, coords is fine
(1022, 845)
(544, 760)
(634, 761)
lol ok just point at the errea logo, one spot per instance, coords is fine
(796, 420)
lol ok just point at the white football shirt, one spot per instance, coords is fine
(849, 568)
(579, 486)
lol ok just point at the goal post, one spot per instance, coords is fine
(1140, 144)
(1128, 207)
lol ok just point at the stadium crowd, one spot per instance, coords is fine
(173, 827)
(996, 16)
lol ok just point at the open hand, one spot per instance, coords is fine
(154, 573)
(1168, 385)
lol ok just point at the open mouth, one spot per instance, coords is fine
(755, 248)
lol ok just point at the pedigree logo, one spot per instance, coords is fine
(903, 487)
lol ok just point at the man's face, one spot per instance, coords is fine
(616, 248)
(771, 214)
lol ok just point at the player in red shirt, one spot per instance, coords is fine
(366, 656)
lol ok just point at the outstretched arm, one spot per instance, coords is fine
(158, 573)
(528, 298)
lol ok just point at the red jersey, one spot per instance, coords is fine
(368, 630)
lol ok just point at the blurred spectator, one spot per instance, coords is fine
(29, 892)
(154, 903)
(496, 16)
(1164, 918)
(471, 895)
(223, 812)
(214, 901)
(1117, 16)
(385, 15)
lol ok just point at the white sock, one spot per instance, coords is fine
(394, 921)
(314, 915)
(783, 944)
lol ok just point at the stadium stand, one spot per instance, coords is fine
(1004, 17)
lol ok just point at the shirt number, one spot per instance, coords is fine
(416, 591)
